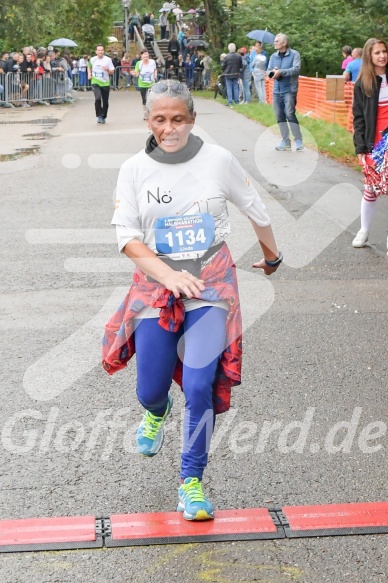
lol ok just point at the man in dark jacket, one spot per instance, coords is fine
(11, 65)
(3, 60)
(231, 69)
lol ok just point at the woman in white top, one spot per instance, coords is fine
(182, 313)
(146, 73)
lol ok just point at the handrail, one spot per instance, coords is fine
(158, 52)
(139, 40)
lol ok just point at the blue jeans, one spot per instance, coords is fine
(246, 81)
(127, 78)
(206, 78)
(260, 88)
(82, 79)
(232, 90)
(284, 107)
(156, 358)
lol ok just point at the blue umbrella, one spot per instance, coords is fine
(264, 36)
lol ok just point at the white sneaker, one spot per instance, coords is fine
(360, 239)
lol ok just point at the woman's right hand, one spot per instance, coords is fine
(361, 159)
(182, 282)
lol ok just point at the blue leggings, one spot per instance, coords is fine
(199, 343)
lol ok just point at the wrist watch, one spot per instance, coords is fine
(276, 262)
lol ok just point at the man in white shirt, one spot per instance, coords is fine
(99, 69)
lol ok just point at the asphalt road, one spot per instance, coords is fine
(315, 352)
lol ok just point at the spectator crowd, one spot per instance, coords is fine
(50, 73)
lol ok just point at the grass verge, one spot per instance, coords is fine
(331, 140)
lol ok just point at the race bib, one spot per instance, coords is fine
(184, 237)
(146, 77)
(99, 73)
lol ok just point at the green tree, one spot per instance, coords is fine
(87, 22)
(376, 11)
(317, 32)
(23, 23)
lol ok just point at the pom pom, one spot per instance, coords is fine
(379, 151)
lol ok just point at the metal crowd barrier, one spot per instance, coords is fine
(56, 88)
(2, 89)
(121, 79)
(191, 76)
(80, 81)
(25, 89)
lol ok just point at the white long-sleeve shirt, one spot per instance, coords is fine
(148, 190)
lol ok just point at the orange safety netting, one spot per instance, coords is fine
(312, 101)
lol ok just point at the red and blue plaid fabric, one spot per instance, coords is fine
(219, 275)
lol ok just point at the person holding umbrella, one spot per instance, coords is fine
(258, 49)
(100, 68)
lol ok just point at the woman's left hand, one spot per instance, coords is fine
(266, 269)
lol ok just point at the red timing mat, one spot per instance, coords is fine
(335, 519)
(166, 527)
(66, 532)
(49, 533)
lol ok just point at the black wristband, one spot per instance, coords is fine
(276, 262)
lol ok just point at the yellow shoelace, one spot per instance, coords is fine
(194, 490)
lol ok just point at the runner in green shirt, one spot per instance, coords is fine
(99, 69)
(146, 72)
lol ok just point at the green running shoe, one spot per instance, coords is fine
(150, 433)
(192, 501)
